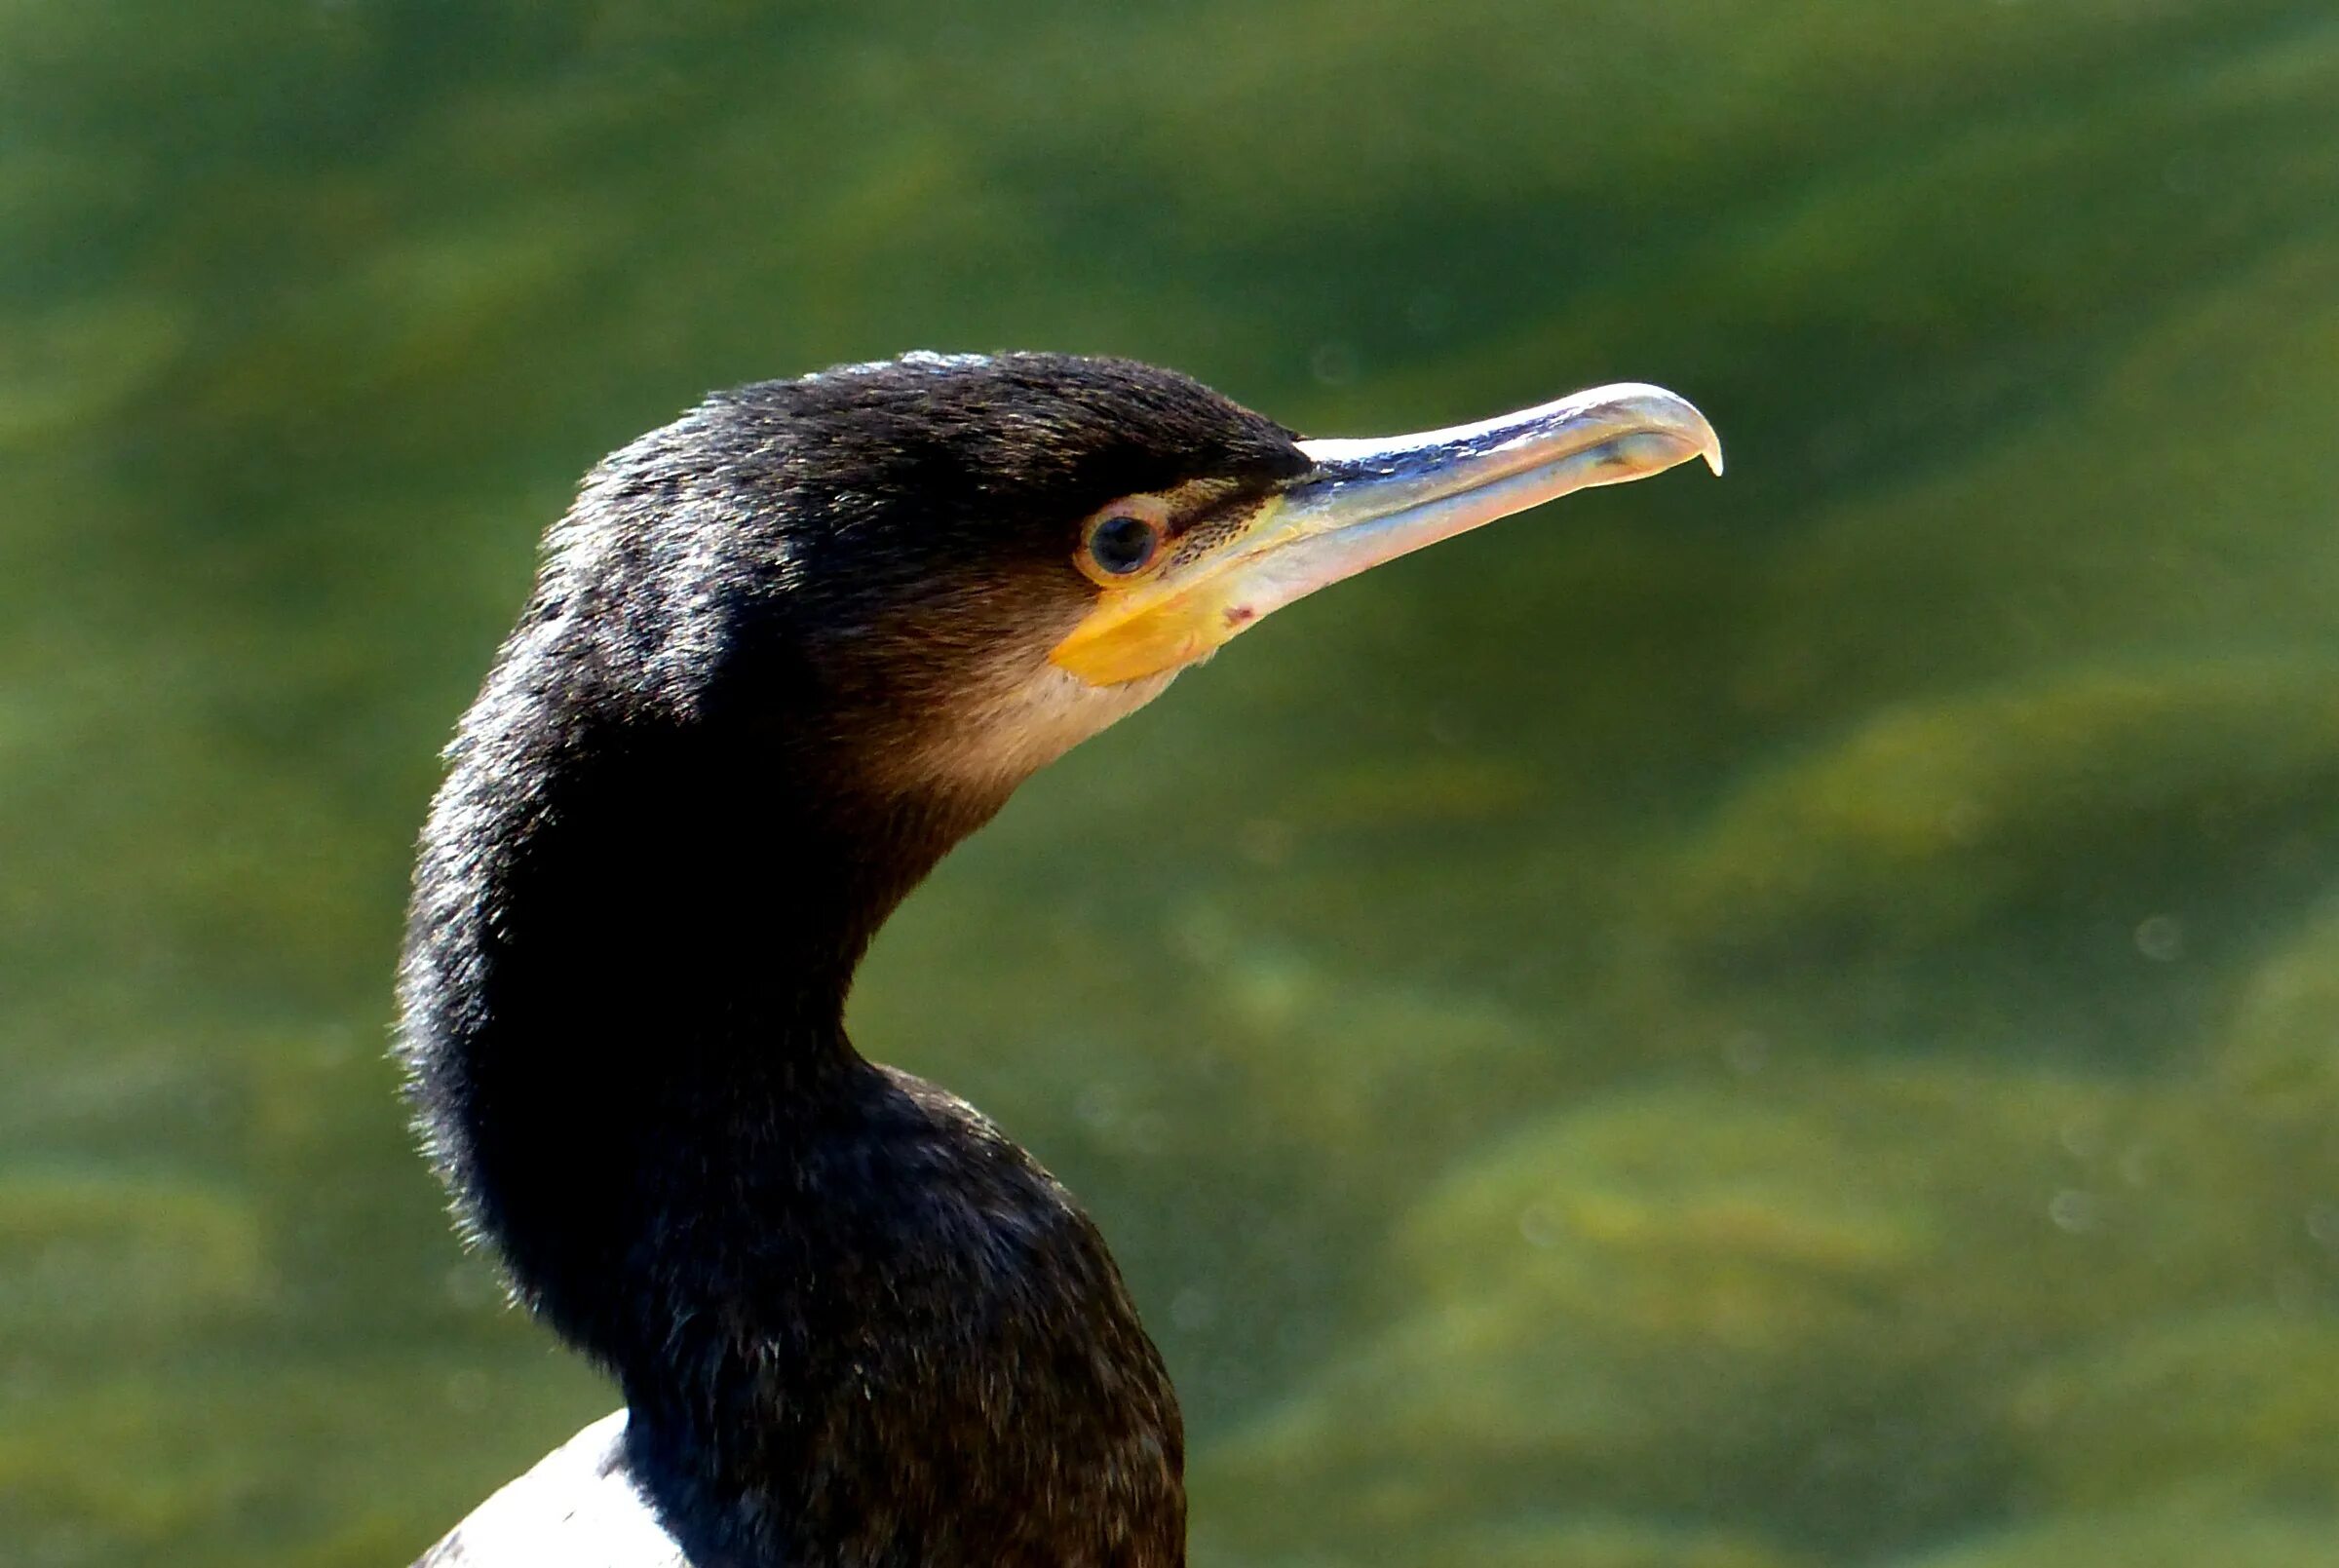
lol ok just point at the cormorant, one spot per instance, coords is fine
(781, 655)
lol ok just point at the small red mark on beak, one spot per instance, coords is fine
(1238, 614)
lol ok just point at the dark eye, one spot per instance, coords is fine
(1121, 544)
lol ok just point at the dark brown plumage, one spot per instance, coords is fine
(853, 1323)
(782, 656)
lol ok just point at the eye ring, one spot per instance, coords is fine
(1119, 543)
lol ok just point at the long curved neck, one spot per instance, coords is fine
(855, 1326)
(625, 980)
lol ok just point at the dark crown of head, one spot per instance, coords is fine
(961, 432)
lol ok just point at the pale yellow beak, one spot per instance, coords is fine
(1366, 502)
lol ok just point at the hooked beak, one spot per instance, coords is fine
(1364, 502)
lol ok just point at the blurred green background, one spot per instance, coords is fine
(1783, 1022)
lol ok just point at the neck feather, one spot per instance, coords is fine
(855, 1325)
(626, 969)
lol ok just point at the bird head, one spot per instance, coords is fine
(964, 565)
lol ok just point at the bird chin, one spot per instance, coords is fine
(1019, 719)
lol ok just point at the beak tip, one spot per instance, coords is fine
(1689, 432)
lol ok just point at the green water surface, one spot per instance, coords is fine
(1790, 1023)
